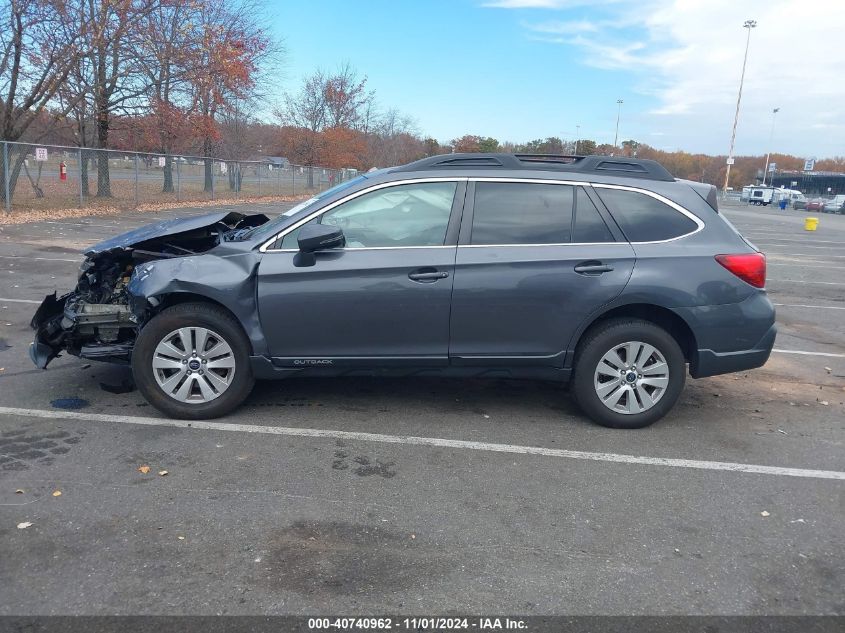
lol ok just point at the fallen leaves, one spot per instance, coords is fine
(57, 493)
(145, 469)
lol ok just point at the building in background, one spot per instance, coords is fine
(817, 183)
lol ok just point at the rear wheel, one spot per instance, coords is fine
(192, 361)
(628, 373)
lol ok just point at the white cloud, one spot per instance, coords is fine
(535, 4)
(687, 56)
(559, 27)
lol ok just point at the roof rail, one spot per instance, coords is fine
(608, 165)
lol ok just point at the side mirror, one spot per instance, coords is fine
(317, 237)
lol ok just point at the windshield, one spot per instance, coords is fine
(269, 227)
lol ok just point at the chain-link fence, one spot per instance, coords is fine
(46, 177)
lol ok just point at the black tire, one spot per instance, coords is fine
(183, 315)
(602, 338)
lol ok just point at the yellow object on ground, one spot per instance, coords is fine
(811, 224)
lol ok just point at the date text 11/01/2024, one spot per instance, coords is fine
(418, 623)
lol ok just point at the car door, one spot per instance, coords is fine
(382, 299)
(535, 259)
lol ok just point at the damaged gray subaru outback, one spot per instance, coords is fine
(605, 273)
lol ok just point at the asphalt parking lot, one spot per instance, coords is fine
(435, 496)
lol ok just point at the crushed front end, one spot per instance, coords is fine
(100, 319)
(94, 321)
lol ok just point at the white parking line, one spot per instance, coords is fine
(432, 441)
(85, 224)
(800, 241)
(767, 252)
(764, 245)
(799, 264)
(802, 353)
(804, 305)
(41, 259)
(804, 281)
(2, 300)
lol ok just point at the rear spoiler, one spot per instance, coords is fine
(707, 192)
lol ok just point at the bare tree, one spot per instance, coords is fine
(307, 110)
(76, 98)
(39, 47)
(393, 140)
(346, 97)
(163, 51)
(116, 83)
(338, 101)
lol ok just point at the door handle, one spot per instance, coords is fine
(428, 276)
(592, 267)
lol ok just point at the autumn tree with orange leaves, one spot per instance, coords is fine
(137, 74)
(228, 49)
(333, 120)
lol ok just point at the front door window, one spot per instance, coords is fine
(415, 214)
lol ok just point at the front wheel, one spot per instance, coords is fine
(628, 373)
(191, 361)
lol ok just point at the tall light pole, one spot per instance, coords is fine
(577, 137)
(618, 114)
(748, 24)
(768, 153)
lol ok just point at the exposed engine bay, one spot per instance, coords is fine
(99, 319)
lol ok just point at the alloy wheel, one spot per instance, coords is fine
(193, 365)
(631, 377)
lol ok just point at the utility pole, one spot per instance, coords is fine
(769, 152)
(577, 137)
(618, 114)
(748, 24)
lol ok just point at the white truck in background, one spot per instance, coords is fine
(762, 196)
(759, 195)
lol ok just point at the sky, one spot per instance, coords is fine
(519, 70)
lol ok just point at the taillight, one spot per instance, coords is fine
(750, 267)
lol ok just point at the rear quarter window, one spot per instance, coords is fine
(643, 218)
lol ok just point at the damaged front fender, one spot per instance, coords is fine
(228, 280)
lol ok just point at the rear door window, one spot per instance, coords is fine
(643, 218)
(522, 213)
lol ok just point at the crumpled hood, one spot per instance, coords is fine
(169, 228)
